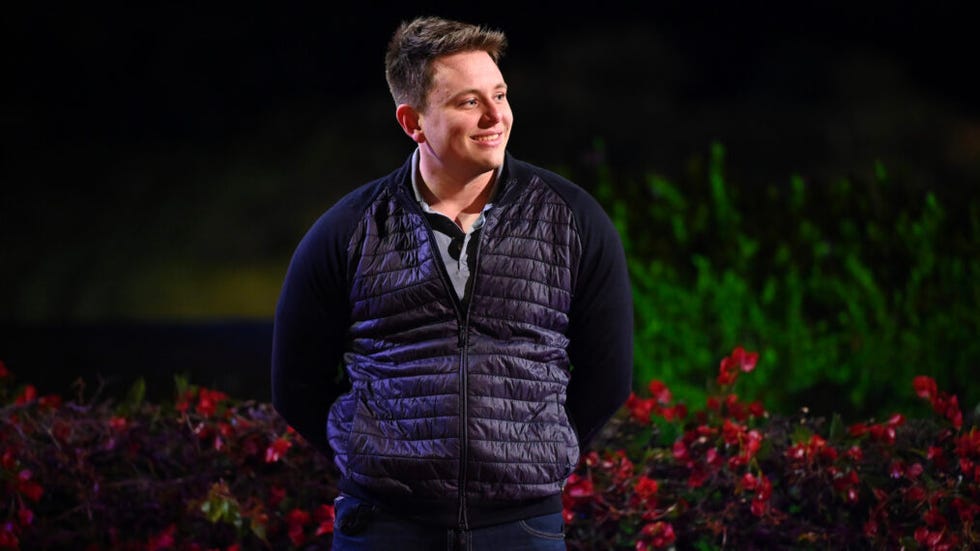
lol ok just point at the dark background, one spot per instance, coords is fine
(160, 163)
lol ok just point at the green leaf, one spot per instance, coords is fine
(137, 392)
(837, 429)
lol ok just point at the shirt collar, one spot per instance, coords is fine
(417, 180)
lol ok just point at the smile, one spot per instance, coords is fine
(488, 138)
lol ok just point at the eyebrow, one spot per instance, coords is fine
(500, 86)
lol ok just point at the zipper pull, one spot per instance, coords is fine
(461, 341)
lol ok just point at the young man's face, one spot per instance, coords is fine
(467, 122)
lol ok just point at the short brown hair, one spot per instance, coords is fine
(417, 43)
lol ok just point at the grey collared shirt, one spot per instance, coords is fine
(456, 246)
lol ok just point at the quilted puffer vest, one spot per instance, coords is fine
(451, 401)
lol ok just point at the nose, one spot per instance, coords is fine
(493, 113)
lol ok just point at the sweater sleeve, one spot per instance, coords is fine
(310, 328)
(601, 325)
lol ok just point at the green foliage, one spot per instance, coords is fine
(848, 287)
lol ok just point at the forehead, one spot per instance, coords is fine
(454, 73)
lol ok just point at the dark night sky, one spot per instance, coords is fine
(181, 74)
(124, 126)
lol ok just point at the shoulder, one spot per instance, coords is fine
(336, 225)
(586, 210)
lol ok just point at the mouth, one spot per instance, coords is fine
(488, 138)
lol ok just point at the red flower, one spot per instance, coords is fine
(277, 449)
(619, 466)
(296, 520)
(925, 387)
(923, 536)
(858, 429)
(8, 536)
(579, 488)
(680, 451)
(660, 392)
(677, 412)
(208, 401)
(646, 491)
(184, 401)
(944, 404)
(50, 401)
(29, 394)
(656, 535)
(731, 432)
(324, 516)
(30, 489)
(738, 360)
(8, 461)
(968, 446)
(640, 408)
(713, 404)
(915, 494)
(949, 407)
(697, 478)
(4, 372)
(118, 424)
(25, 516)
(163, 540)
(746, 360)
(591, 459)
(761, 487)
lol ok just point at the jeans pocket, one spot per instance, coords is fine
(353, 515)
(550, 527)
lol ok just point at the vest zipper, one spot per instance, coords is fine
(464, 521)
(462, 318)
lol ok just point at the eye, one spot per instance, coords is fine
(469, 102)
(501, 96)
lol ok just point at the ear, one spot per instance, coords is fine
(411, 122)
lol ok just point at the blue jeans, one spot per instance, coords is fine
(360, 527)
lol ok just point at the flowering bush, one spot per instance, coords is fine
(205, 473)
(733, 476)
(209, 472)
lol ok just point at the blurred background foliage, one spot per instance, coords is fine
(848, 289)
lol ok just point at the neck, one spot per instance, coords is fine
(460, 198)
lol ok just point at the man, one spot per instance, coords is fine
(481, 312)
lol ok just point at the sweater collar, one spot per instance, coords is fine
(505, 179)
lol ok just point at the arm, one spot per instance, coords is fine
(601, 326)
(310, 330)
